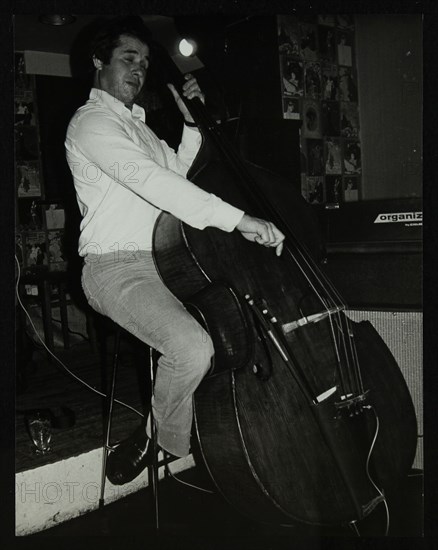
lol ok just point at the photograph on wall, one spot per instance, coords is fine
(22, 80)
(292, 74)
(315, 190)
(24, 110)
(345, 21)
(311, 119)
(312, 79)
(315, 157)
(29, 213)
(55, 216)
(351, 189)
(303, 181)
(327, 43)
(333, 189)
(329, 80)
(19, 248)
(36, 250)
(345, 49)
(308, 42)
(330, 118)
(291, 109)
(333, 156)
(347, 85)
(349, 120)
(327, 20)
(28, 179)
(352, 157)
(26, 142)
(57, 259)
(288, 35)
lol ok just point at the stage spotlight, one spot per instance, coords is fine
(187, 47)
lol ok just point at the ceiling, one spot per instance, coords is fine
(30, 34)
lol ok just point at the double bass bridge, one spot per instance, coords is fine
(314, 318)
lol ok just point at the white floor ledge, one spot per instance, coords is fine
(57, 492)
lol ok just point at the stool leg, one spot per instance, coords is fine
(153, 470)
(110, 398)
(63, 309)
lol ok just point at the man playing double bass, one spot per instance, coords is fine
(124, 177)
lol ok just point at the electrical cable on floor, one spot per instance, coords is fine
(186, 483)
(370, 407)
(67, 370)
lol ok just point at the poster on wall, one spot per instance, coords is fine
(352, 157)
(327, 43)
(29, 215)
(19, 248)
(291, 109)
(28, 179)
(349, 120)
(329, 80)
(23, 82)
(36, 250)
(347, 84)
(308, 42)
(26, 142)
(333, 190)
(288, 36)
(24, 110)
(312, 79)
(315, 157)
(328, 20)
(55, 216)
(311, 119)
(345, 21)
(330, 118)
(351, 188)
(315, 190)
(292, 74)
(345, 49)
(333, 156)
(57, 259)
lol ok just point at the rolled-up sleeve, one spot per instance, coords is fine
(104, 142)
(181, 161)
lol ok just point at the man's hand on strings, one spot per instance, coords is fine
(261, 232)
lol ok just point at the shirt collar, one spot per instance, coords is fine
(100, 96)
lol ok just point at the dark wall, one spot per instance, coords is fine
(389, 59)
(58, 98)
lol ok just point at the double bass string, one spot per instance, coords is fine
(321, 286)
(323, 289)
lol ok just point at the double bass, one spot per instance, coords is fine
(304, 417)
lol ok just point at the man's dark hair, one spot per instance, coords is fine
(108, 36)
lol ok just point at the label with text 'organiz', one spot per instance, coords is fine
(409, 218)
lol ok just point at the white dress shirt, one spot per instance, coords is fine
(125, 176)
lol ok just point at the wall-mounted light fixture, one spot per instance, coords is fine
(187, 47)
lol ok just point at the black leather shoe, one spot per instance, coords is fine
(130, 458)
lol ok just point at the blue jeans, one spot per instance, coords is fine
(127, 288)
